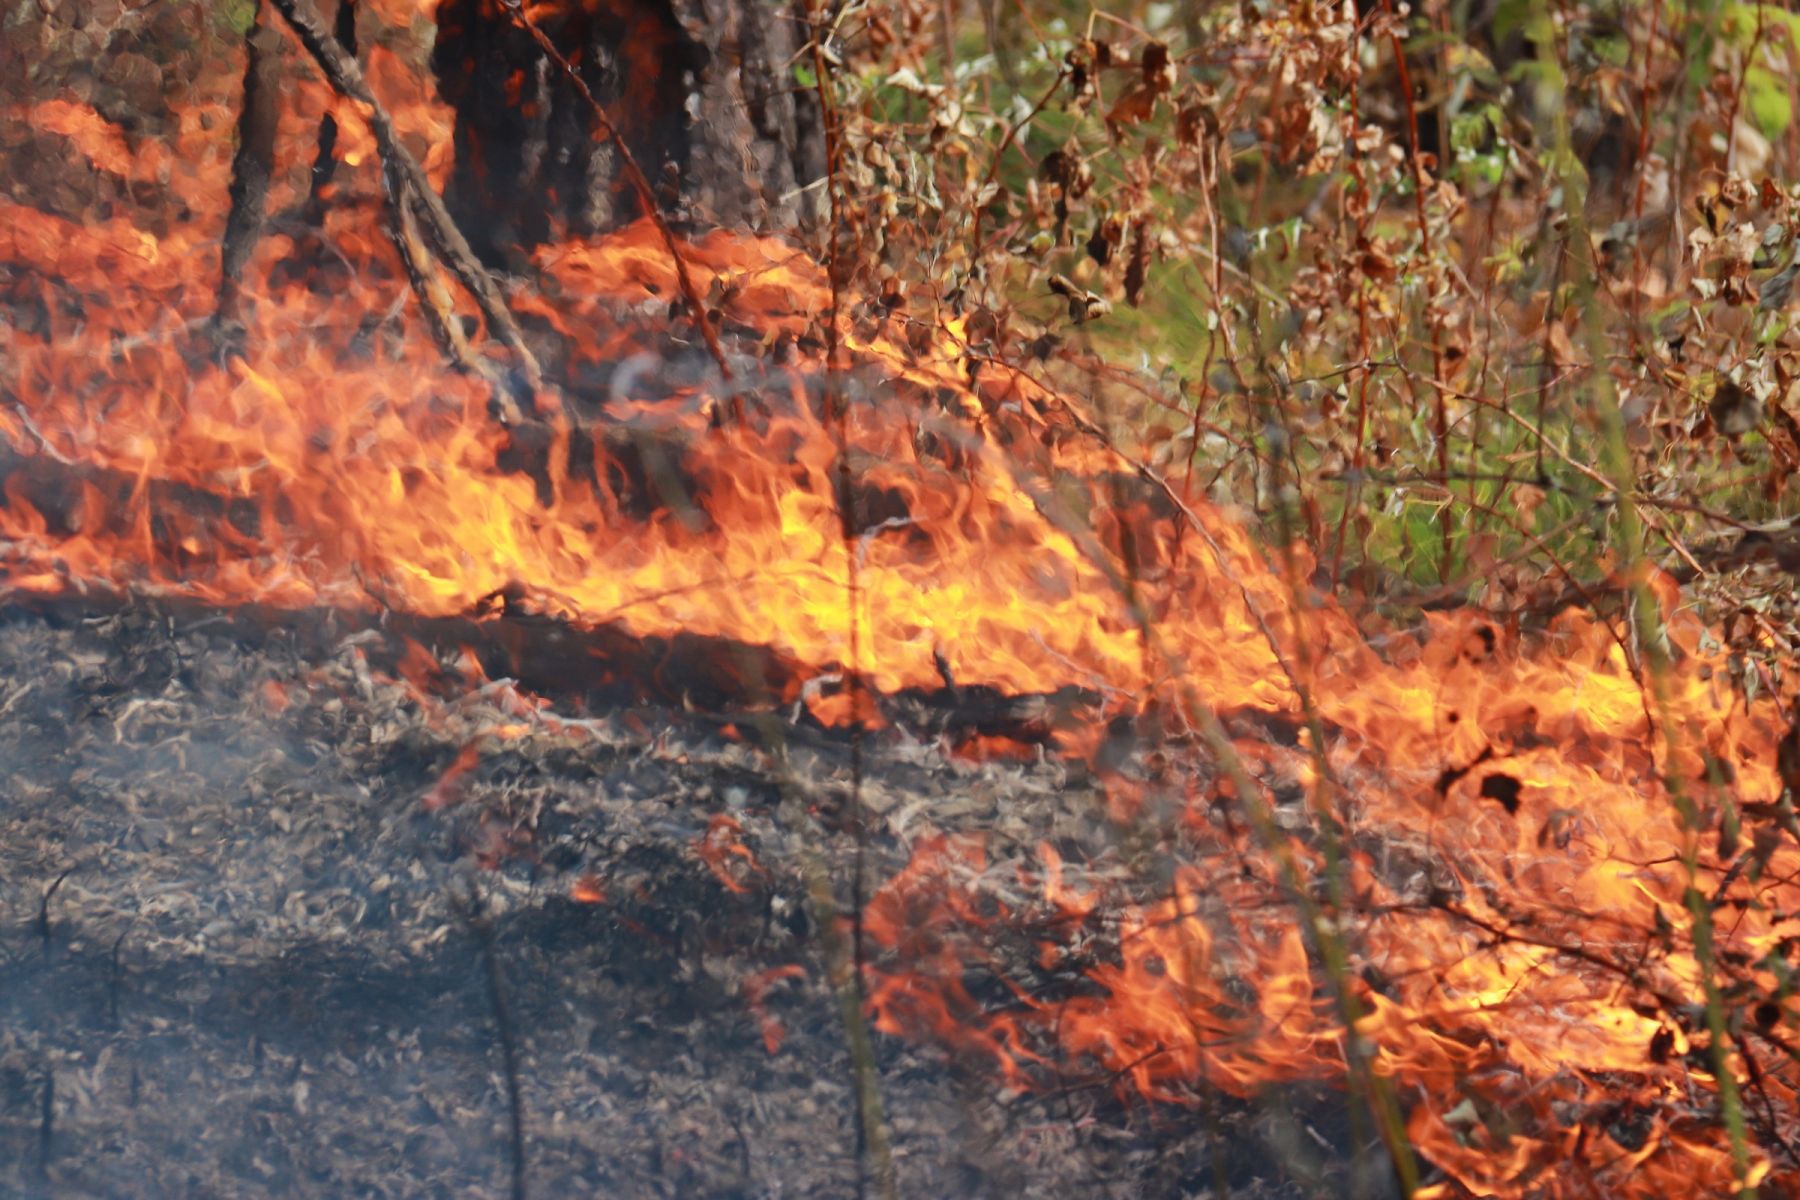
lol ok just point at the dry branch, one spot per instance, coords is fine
(436, 302)
(346, 76)
(325, 161)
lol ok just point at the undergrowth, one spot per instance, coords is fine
(1317, 260)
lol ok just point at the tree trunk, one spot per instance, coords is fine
(701, 90)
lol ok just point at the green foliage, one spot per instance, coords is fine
(234, 17)
(1760, 32)
(1383, 360)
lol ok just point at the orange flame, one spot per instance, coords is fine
(730, 861)
(1509, 868)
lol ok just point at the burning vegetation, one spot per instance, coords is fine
(1518, 885)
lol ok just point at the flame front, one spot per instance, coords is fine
(1524, 968)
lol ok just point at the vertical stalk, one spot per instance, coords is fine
(873, 1151)
(1440, 394)
(1646, 615)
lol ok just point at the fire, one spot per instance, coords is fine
(1510, 870)
(730, 861)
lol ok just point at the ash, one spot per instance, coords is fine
(251, 889)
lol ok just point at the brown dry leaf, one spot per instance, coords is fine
(1784, 459)
(1734, 410)
(1193, 120)
(1107, 234)
(1480, 552)
(1562, 350)
(1158, 69)
(1526, 497)
(1736, 191)
(1083, 304)
(1375, 260)
(1133, 108)
(1737, 248)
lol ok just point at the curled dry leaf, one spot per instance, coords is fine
(1058, 168)
(1158, 68)
(1734, 410)
(1083, 304)
(1107, 235)
(1562, 348)
(1526, 498)
(1375, 261)
(1133, 108)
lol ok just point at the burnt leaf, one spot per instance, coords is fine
(1083, 304)
(1504, 788)
(1156, 57)
(1137, 268)
(1192, 121)
(1058, 168)
(1099, 246)
(1734, 410)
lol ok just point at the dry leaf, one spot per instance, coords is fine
(1137, 270)
(1734, 410)
(1133, 108)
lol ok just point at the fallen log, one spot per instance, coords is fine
(580, 668)
(599, 664)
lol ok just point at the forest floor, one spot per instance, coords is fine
(240, 953)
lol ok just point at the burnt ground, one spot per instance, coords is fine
(248, 909)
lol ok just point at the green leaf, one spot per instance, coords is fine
(1767, 98)
(236, 16)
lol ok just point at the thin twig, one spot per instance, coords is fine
(47, 1119)
(874, 1156)
(325, 159)
(634, 174)
(1440, 411)
(436, 303)
(509, 1052)
(112, 979)
(43, 918)
(841, 967)
(1000, 153)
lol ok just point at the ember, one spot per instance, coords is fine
(1469, 874)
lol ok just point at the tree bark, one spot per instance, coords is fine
(701, 90)
(253, 164)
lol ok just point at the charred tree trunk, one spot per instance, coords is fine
(701, 91)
